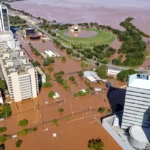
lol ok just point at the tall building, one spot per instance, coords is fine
(20, 75)
(4, 19)
(137, 102)
(41, 75)
(7, 40)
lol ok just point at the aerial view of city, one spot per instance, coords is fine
(74, 75)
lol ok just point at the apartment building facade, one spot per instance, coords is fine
(4, 19)
(20, 75)
(137, 102)
(41, 75)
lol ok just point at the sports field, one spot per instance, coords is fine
(102, 37)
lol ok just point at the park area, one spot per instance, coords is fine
(87, 37)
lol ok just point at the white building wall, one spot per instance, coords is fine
(15, 86)
(25, 86)
(136, 108)
(113, 72)
(34, 82)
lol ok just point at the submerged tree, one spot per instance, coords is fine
(101, 110)
(96, 144)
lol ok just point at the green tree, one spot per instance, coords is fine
(102, 71)
(6, 111)
(50, 68)
(2, 129)
(2, 84)
(124, 74)
(51, 94)
(69, 51)
(3, 138)
(72, 78)
(18, 143)
(50, 60)
(81, 93)
(80, 73)
(45, 62)
(36, 63)
(48, 78)
(47, 85)
(54, 122)
(23, 122)
(101, 110)
(63, 58)
(84, 64)
(61, 110)
(96, 144)
(23, 132)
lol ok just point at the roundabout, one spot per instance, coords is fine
(86, 36)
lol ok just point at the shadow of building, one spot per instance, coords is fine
(116, 98)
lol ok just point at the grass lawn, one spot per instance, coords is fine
(102, 37)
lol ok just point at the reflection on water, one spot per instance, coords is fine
(81, 34)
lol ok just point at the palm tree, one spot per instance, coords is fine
(101, 110)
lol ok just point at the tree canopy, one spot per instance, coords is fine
(124, 74)
(101, 110)
(36, 63)
(2, 84)
(96, 144)
(102, 71)
(23, 122)
(6, 111)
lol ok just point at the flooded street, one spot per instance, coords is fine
(71, 135)
(42, 110)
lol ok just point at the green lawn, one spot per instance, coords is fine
(102, 37)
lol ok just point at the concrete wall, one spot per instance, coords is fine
(115, 136)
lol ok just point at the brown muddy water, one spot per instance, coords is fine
(73, 134)
(110, 12)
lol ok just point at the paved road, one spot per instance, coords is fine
(110, 66)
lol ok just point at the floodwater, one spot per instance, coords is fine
(73, 134)
(81, 34)
(108, 12)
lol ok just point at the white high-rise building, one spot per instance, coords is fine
(137, 102)
(20, 75)
(4, 19)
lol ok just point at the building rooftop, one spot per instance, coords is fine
(15, 61)
(140, 134)
(139, 81)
